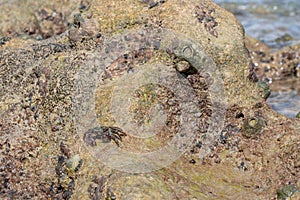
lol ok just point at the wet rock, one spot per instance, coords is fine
(284, 38)
(274, 65)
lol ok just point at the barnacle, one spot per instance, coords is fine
(253, 126)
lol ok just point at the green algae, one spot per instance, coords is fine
(286, 192)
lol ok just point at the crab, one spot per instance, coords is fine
(104, 133)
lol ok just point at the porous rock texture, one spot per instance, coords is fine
(255, 156)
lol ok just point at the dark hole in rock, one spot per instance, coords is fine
(240, 115)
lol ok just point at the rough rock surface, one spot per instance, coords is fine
(274, 65)
(256, 155)
(37, 19)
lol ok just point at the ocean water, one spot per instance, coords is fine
(285, 102)
(275, 22)
(285, 97)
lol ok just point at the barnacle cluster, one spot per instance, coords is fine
(35, 100)
(98, 189)
(205, 15)
(143, 101)
(270, 65)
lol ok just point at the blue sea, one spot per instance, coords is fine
(275, 22)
